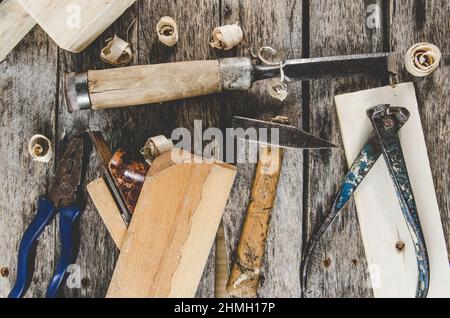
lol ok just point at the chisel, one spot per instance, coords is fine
(149, 84)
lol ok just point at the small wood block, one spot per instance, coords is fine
(387, 242)
(173, 229)
(74, 24)
(107, 208)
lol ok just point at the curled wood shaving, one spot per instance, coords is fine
(155, 147)
(117, 52)
(422, 59)
(40, 148)
(227, 37)
(167, 31)
(278, 88)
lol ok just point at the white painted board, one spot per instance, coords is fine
(393, 273)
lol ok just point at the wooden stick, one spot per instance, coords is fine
(149, 84)
(245, 273)
(107, 208)
(15, 23)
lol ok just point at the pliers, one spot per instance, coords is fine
(384, 141)
(63, 199)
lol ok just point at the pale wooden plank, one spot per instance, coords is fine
(409, 26)
(108, 210)
(15, 23)
(186, 201)
(25, 111)
(394, 273)
(74, 24)
(278, 24)
(338, 266)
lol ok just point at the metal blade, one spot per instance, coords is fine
(331, 67)
(105, 155)
(277, 135)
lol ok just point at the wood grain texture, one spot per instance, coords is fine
(248, 260)
(277, 24)
(338, 267)
(15, 23)
(74, 24)
(196, 19)
(108, 210)
(410, 26)
(183, 205)
(25, 111)
(152, 84)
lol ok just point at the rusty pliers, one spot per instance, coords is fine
(63, 199)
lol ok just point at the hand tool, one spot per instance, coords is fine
(387, 122)
(72, 24)
(138, 85)
(245, 272)
(124, 178)
(65, 199)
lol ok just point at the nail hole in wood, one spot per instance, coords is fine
(400, 246)
(327, 262)
(4, 272)
(85, 282)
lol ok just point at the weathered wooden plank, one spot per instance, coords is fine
(195, 20)
(338, 267)
(277, 24)
(27, 107)
(428, 22)
(98, 253)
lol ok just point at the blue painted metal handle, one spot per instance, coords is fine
(67, 220)
(45, 213)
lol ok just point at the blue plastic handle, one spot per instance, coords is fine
(67, 219)
(45, 213)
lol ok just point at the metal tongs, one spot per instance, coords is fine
(387, 122)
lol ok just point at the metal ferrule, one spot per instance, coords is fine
(236, 73)
(76, 87)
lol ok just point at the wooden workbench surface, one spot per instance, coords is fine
(31, 102)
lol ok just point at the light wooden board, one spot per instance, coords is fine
(74, 24)
(15, 23)
(394, 273)
(108, 210)
(172, 230)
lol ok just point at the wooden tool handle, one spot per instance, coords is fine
(15, 23)
(245, 273)
(150, 84)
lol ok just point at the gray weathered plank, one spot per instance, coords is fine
(429, 22)
(195, 20)
(338, 267)
(27, 107)
(277, 24)
(98, 254)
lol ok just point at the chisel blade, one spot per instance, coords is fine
(277, 135)
(331, 67)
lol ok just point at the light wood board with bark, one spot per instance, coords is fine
(31, 102)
